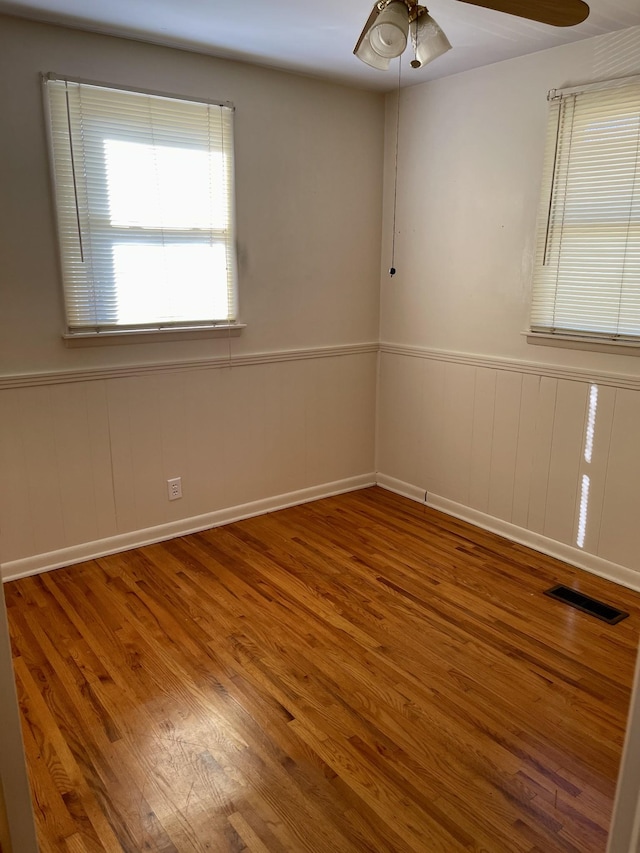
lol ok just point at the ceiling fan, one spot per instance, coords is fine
(386, 33)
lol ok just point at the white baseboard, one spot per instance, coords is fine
(400, 488)
(567, 553)
(137, 538)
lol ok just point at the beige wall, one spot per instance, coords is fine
(471, 148)
(89, 436)
(308, 163)
(492, 427)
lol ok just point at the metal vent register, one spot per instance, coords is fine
(592, 606)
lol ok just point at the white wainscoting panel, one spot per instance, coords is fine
(430, 419)
(401, 420)
(504, 443)
(543, 415)
(457, 413)
(507, 444)
(88, 461)
(620, 519)
(526, 442)
(483, 415)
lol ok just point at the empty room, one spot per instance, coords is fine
(319, 413)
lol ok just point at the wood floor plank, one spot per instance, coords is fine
(359, 674)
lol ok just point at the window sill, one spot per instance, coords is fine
(583, 343)
(142, 336)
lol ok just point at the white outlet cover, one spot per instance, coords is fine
(174, 488)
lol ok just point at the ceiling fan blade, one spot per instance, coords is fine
(558, 13)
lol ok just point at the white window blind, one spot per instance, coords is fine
(144, 194)
(587, 275)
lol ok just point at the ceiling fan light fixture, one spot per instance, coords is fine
(388, 36)
(367, 54)
(385, 34)
(429, 41)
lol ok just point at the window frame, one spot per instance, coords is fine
(153, 330)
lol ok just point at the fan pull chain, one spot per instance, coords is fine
(392, 269)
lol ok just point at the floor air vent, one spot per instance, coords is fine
(588, 605)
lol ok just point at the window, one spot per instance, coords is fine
(144, 195)
(587, 276)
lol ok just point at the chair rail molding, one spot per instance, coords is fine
(601, 377)
(89, 374)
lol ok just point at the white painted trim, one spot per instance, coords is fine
(625, 820)
(112, 337)
(400, 488)
(60, 377)
(137, 538)
(104, 84)
(567, 553)
(619, 346)
(617, 380)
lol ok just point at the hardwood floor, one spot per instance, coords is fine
(356, 674)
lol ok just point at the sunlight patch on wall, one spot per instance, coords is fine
(589, 435)
(584, 508)
(591, 423)
(617, 54)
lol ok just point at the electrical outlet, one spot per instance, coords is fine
(174, 488)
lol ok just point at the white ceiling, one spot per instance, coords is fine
(317, 36)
